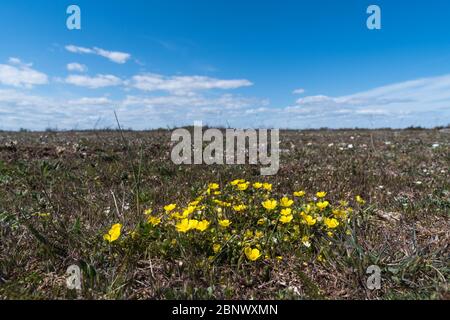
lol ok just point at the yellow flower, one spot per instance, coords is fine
(257, 185)
(154, 221)
(243, 186)
(259, 234)
(183, 226)
(189, 210)
(322, 204)
(222, 203)
(286, 218)
(321, 194)
(252, 254)
(148, 211)
(360, 200)
(267, 186)
(286, 211)
(261, 221)
(240, 207)
(224, 223)
(340, 213)
(193, 224)
(331, 223)
(44, 215)
(286, 202)
(216, 247)
(343, 203)
(194, 203)
(248, 234)
(177, 215)
(299, 193)
(213, 186)
(113, 233)
(237, 181)
(170, 207)
(202, 225)
(270, 204)
(308, 208)
(310, 221)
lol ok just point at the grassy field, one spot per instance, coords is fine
(60, 193)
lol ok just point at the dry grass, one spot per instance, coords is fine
(89, 180)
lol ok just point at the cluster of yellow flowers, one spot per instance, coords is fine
(244, 219)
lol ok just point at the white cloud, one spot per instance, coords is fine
(99, 81)
(21, 109)
(421, 95)
(88, 101)
(114, 56)
(77, 49)
(11, 96)
(25, 110)
(19, 74)
(319, 99)
(299, 91)
(222, 102)
(424, 102)
(18, 62)
(183, 85)
(77, 67)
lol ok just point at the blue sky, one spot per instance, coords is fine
(297, 64)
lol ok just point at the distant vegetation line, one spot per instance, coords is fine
(223, 128)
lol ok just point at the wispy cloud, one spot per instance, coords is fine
(420, 95)
(299, 91)
(424, 102)
(114, 56)
(25, 110)
(90, 101)
(184, 84)
(78, 67)
(99, 81)
(13, 97)
(174, 85)
(19, 74)
(225, 101)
